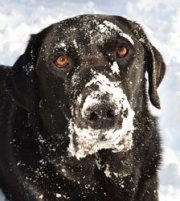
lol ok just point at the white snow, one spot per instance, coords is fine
(161, 20)
(2, 198)
(115, 27)
(107, 171)
(88, 140)
(105, 30)
(58, 195)
(75, 44)
(61, 45)
(91, 100)
(115, 68)
(41, 196)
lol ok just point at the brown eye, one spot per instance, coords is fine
(122, 52)
(61, 61)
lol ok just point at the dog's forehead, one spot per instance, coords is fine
(92, 29)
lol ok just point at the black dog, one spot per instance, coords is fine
(74, 118)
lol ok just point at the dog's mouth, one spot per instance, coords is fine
(102, 119)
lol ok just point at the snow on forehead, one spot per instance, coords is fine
(62, 45)
(98, 32)
(106, 28)
(115, 27)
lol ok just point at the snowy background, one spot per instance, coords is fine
(161, 21)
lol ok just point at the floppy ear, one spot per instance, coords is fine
(155, 67)
(154, 63)
(21, 81)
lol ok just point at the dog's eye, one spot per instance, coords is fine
(122, 52)
(61, 61)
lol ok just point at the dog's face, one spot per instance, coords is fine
(87, 69)
(86, 74)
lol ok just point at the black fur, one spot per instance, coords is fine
(35, 101)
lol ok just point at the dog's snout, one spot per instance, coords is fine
(100, 116)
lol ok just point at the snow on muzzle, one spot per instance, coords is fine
(102, 119)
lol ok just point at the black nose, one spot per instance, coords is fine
(100, 116)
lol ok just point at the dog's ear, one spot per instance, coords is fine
(154, 63)
(155, 67)
(21, 81)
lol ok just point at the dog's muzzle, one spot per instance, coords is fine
(98, 111)
(102, 119)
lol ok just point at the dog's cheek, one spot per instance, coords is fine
(133, 83)
(54, 122)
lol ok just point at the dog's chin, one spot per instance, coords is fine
(80, 171)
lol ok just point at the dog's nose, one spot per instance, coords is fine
(100, 116)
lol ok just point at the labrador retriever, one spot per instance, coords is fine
(74, 117)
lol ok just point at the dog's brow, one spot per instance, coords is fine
(126, 36)
(107, 24)
(60, 45)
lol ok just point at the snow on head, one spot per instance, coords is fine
(61, 45)
(104, 31)
(87, 140)
(115, 27)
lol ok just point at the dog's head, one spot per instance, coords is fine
(85, 79)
